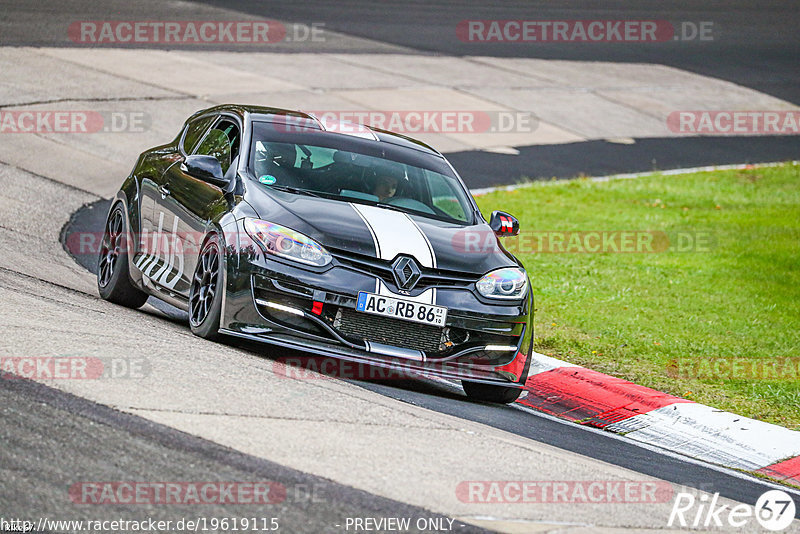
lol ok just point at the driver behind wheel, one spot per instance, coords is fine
(386, 181)
(385, 187)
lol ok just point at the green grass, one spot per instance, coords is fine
(634, 315)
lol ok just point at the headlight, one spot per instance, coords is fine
(509, 283)
(286, 243)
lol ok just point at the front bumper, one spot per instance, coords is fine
(282, 304)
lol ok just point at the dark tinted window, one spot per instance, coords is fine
(222, 142)
(195, 129)
(356, 177)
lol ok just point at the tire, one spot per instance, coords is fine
(205, 294)
(490, 393)
(113, 276)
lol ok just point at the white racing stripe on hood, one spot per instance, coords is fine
(395, 233)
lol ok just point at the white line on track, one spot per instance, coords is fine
(670, 172)
(664, 452)
(652, 448)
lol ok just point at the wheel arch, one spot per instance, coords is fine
(217, 228)
(122, 198)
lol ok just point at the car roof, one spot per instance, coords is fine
(269, 114)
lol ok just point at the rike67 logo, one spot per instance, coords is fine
(774, 510)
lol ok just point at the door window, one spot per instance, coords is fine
(194, 130)
(222, 142)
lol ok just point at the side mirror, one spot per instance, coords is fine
(504, 224)
(206, 168)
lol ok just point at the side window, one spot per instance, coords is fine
(443, 196)
(194, 130)
(222, 142)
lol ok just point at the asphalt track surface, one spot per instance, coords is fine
(755, 45)
(99, 443)
(449, 399)
(606, 158)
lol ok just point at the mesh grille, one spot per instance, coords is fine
(388, 331)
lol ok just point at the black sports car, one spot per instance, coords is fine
(335, 239)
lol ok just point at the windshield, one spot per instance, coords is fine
(350, 176)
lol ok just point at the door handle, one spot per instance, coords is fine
(164, 190)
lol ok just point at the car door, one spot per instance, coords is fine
(153, 253)
(188, 204)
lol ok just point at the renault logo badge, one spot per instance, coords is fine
(406, 272)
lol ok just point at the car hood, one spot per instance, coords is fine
(383, 233)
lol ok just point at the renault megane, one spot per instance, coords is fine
(331, 238)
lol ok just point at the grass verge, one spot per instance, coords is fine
(706, 307)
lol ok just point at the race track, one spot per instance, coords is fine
(185, 410)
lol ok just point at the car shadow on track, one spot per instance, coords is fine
(299, 365)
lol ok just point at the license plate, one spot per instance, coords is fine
(406, 310)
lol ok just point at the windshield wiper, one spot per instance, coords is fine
(412, 211)
(394, 208)
(296, 190)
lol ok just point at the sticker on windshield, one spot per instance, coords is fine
(268, 179)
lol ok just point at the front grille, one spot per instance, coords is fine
(383, 270)
(404, 334)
